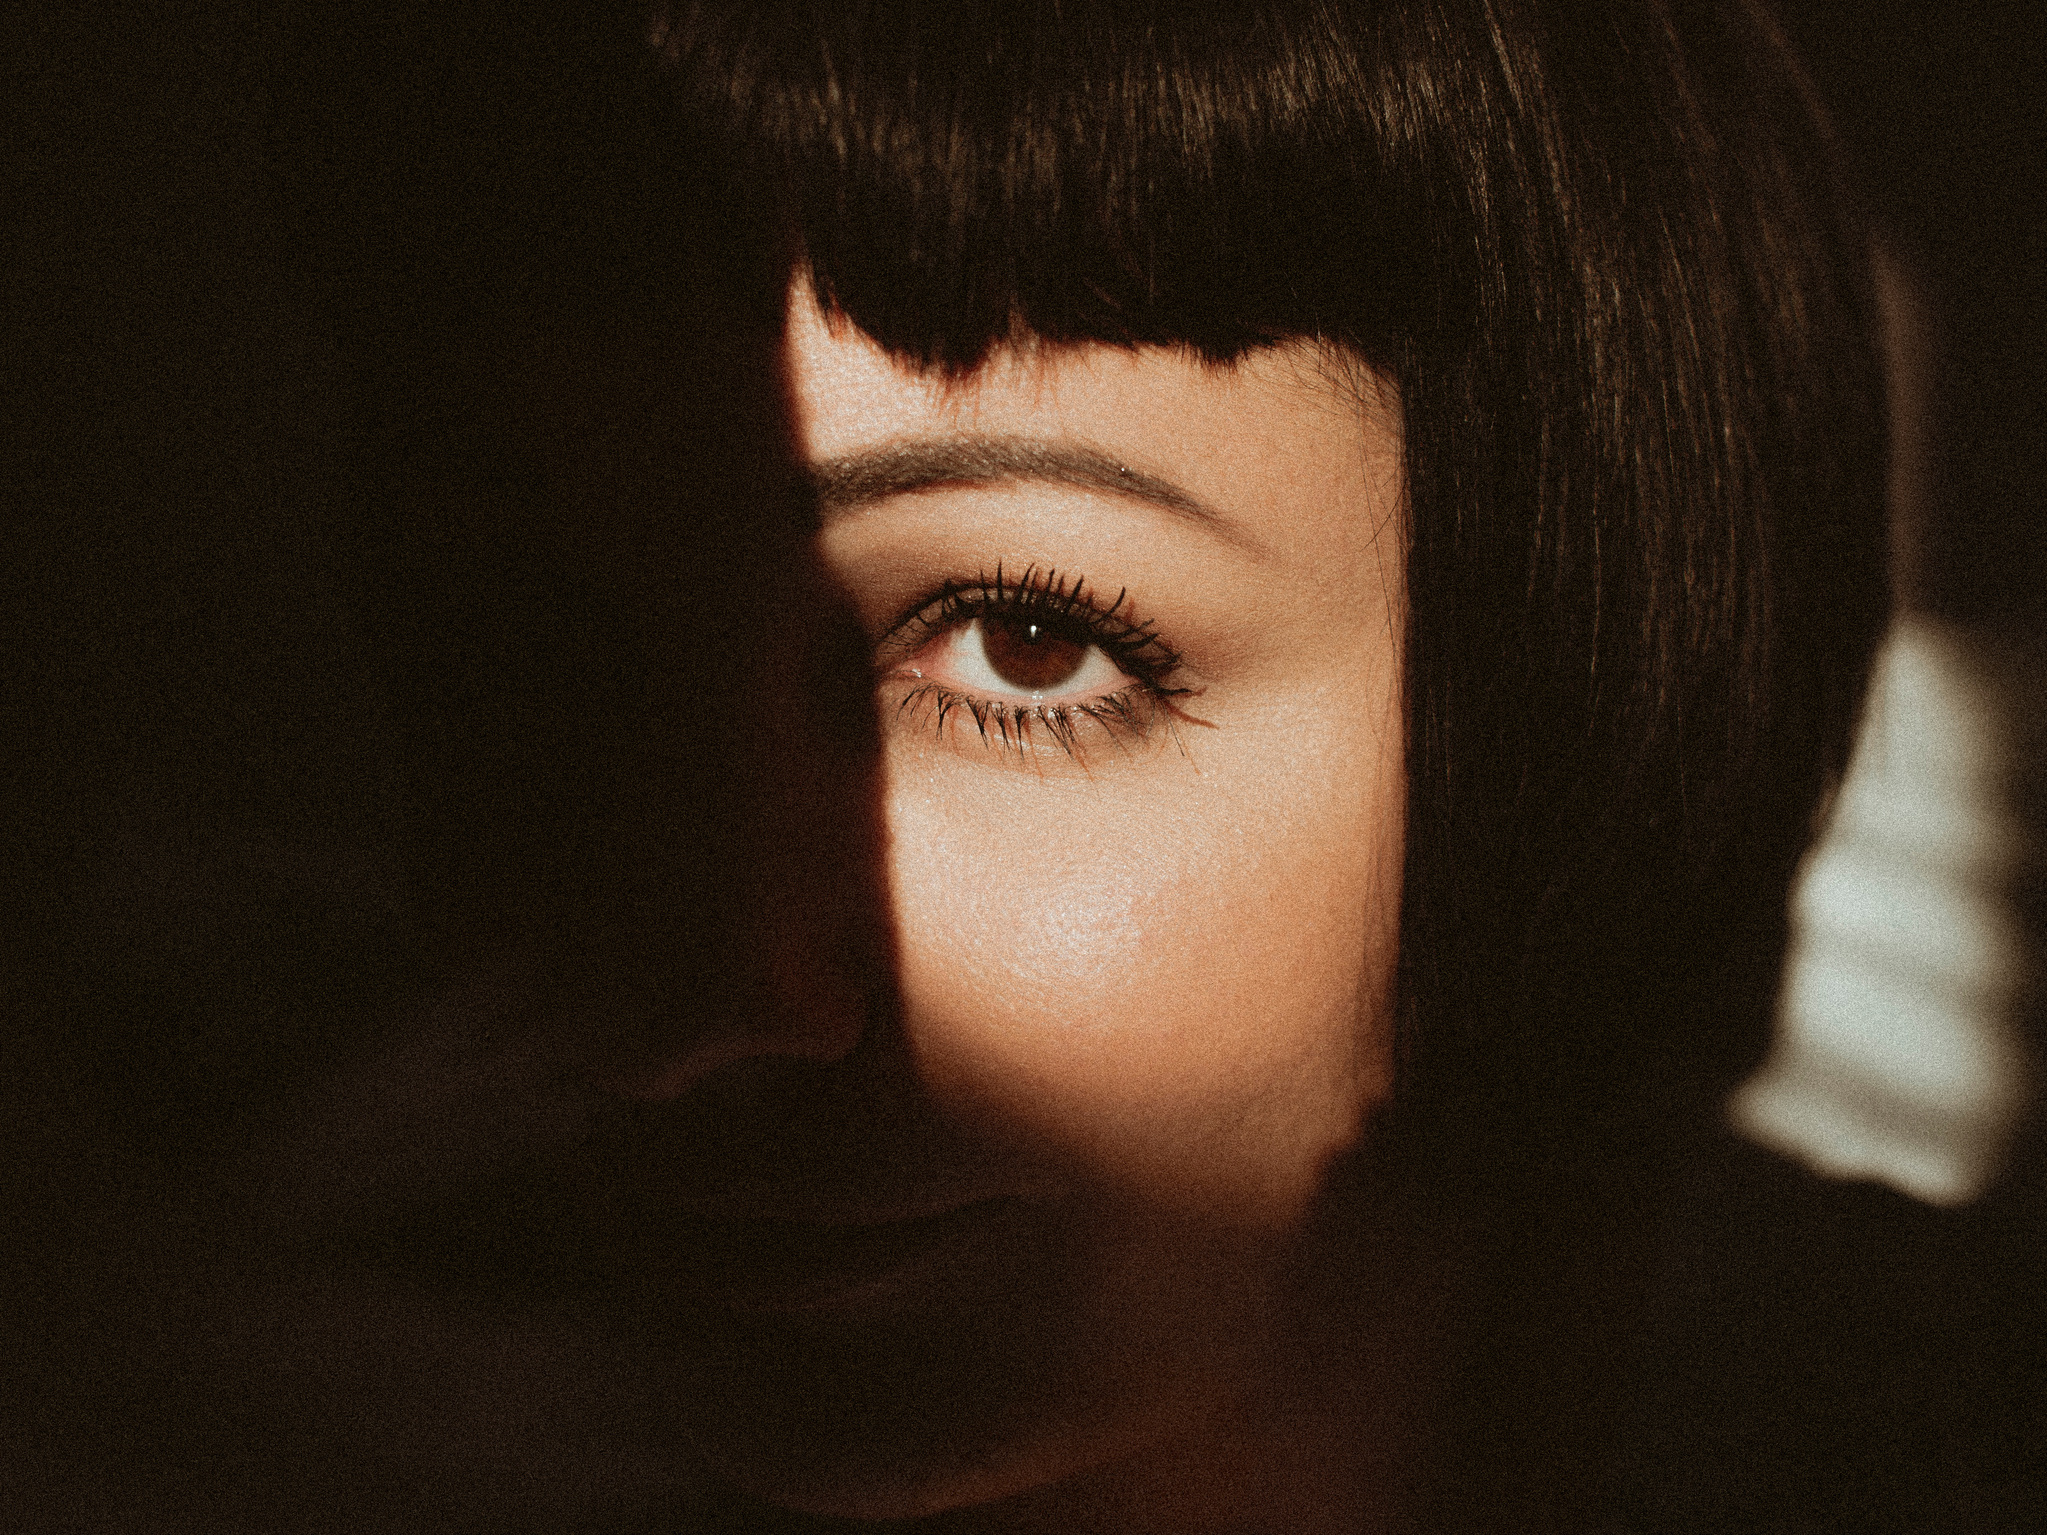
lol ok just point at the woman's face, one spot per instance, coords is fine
(1138, 820)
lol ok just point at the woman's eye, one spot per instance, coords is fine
(1030, 662)
(1017, 657)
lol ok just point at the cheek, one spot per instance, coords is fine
(1192, 1018)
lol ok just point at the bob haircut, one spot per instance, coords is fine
(1603, 253)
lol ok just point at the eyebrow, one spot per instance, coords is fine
(859, 479)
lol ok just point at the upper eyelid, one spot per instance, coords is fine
(1074, 600)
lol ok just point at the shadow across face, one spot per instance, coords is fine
(437, 726)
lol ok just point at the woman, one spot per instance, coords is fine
(1368, 526)
(1270, 600)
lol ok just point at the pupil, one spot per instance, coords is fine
(1027, 655)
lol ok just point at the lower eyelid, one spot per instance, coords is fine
(1022, 728)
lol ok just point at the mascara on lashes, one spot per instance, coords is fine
(1065, 605)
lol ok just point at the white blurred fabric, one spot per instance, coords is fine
(1898, 1054)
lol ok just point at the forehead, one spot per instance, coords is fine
(1283, 441)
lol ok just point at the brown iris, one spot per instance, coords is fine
(1029, 656)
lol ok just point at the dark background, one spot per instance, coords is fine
(1939, 107)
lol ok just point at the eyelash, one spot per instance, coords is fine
(1009, 725)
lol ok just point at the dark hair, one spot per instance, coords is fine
(1602, 251)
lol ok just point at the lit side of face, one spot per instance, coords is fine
(1146, 888)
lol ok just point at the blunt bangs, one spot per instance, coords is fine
(959, 177)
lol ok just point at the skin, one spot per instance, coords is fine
(1137, 985)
